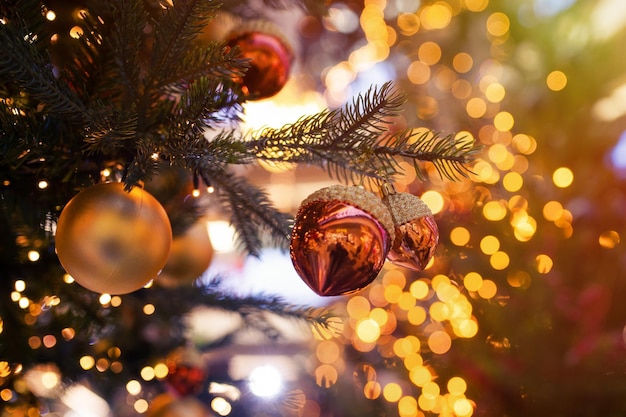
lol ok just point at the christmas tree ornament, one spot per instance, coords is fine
(270, 56)
(416, 231)
(340, 239)
(190, 256)
(111, 240)
(168, 405)
(185, 372)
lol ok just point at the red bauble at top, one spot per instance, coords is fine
(270, 58)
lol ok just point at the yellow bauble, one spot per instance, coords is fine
(190, 256)
(113, 241)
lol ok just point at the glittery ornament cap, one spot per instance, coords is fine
(405, 207)
(358, 197)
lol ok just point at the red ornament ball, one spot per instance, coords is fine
(340, 239)
(111, 240)
(417, 234)
(270, 58)
(185, 379)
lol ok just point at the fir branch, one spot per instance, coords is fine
(319, 318)
(215, 60)
(110, 131)
(127, 21)
(251, 210)
(174, 31)
(449, 155)
(353, 142)
(206, 101)
(24, 66)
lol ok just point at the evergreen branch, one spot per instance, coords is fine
(350, 142)
(319, 318)
(206, 101)
(24, 66)
(110, 131)
(251, 210)
(130, 20)
(178, 26)
(449, 155)
(215, 60)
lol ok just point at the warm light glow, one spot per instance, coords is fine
(544, 263)
(19, 285)
(463, 407)
(488, 289)
(512, 182)
(141, 406)
(476, 107)
(499, 260)
(265, 381)
(407, 407)
(76, 32)
(87, 362)
(473, 281)
(429, 53)
(462, 62)
(147, 373)
(392, 392)
(368, 330)
(221, 406)
(563, 177)
(372, 390)
(476, 5)
(49, 379)
(498, 24)
(489, 244)
(420, 375)
(556, 80)
(161, 370)
(609, 239)
(358, 307)
(436, 16)
(439, 342)
(133, 387)
(494, 210)
(503, 121)
(552, 211)
(222, 236)
(495, 92)
(433, 200)
(460, 236)
(418, 72)
(419, 289)
(104, 299)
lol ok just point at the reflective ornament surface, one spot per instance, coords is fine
(337, 248)
(113, 241)
(417, 234)
(270, 59)
(190, 256)
(416, 241)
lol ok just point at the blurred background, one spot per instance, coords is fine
(520, 312)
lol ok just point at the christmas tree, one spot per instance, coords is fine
(514, 312)
(110, 137)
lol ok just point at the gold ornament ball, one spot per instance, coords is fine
(111, 240)
(190, 257)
